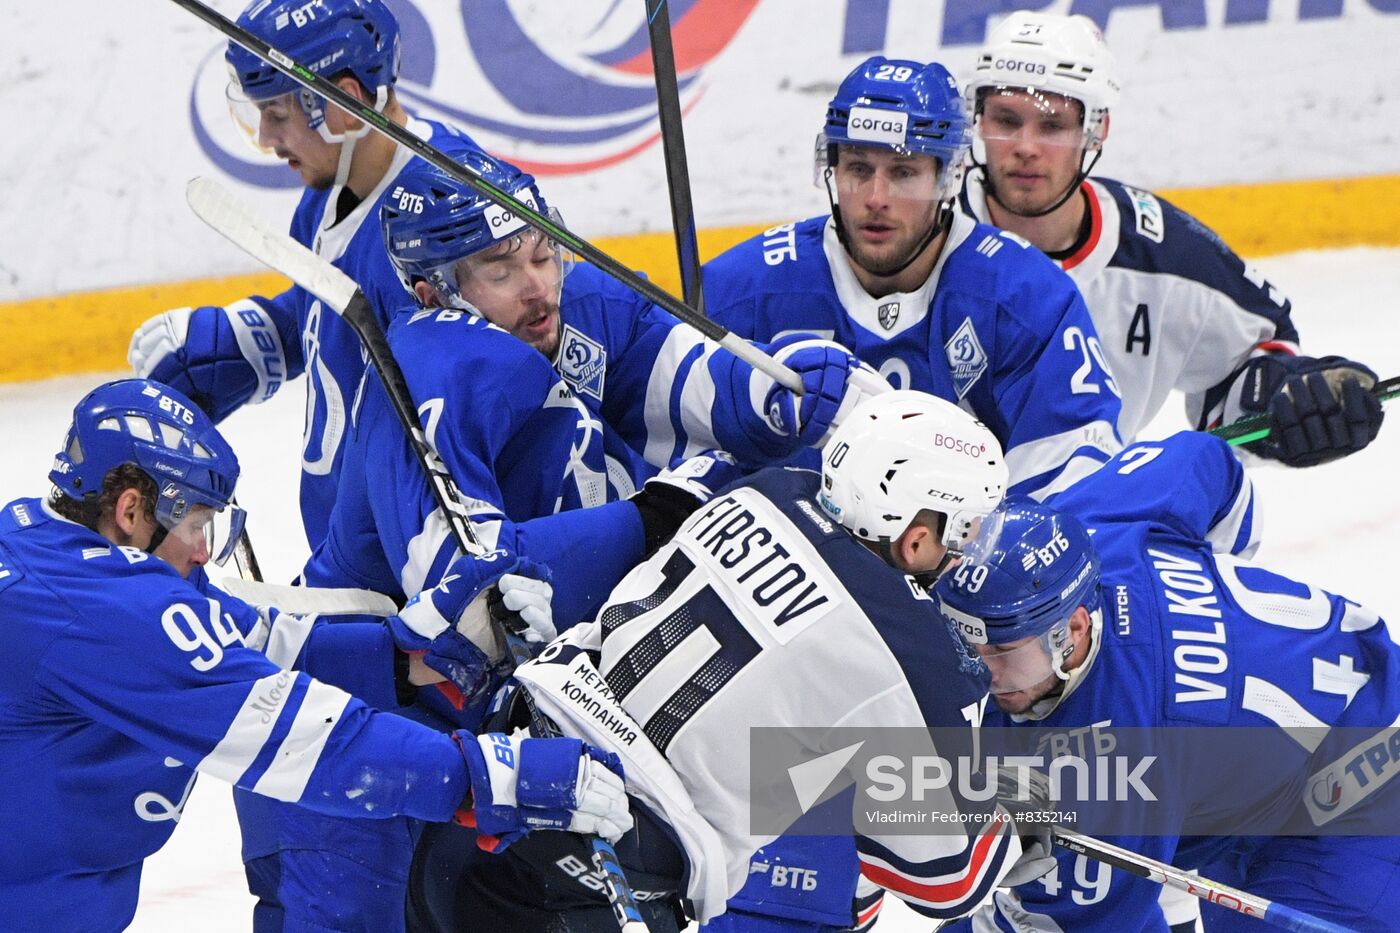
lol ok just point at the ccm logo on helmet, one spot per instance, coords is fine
(959, 445)
(1012, 64)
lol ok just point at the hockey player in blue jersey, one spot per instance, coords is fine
(1175, 308)
(932, 300)
(120, 680)
(1159, 621)
(921, 293)
(226, 357)
(791, 598)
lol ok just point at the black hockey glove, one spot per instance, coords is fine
(1319, 409)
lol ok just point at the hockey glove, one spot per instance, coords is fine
(1319, 409)
(1026, 796)
(453, 622)
(221, 358)
(520, 784)
(824, 368)
(666, 500)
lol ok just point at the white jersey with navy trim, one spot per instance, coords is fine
(762, 612)
(1174, 307)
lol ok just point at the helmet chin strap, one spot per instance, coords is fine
(349, 138)
(940, 223)
(1070, 680)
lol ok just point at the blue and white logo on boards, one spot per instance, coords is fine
(967, 361)
(582, 362)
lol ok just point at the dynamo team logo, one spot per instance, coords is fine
(556, 88)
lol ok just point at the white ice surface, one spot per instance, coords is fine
(1327, 526)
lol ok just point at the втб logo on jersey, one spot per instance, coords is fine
(560, 89)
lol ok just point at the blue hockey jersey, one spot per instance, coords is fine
(294, 333)
(1174, 307)
(119, 680)
(1193, 635)
(996, 328)
(521, 448)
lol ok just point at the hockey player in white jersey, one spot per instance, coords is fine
(1174, 307)
(923, 294)
(120, 679)
(790, 599)
(242, 353)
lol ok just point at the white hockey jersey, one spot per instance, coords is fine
(762, 612)
(1174, 307)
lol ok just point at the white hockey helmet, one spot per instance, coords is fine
(1050, 53)
(900, 452)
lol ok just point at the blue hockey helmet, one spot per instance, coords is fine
(907, 106)
(1042, 568)
(329, 37)
(158, 429)
(431, 221)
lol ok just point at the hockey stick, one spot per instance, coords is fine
(220, 210)
(243, 556)
(1256, 427)
(1212, 892)
(668, 106)
(382, 125)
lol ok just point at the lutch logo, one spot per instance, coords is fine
(558, 89)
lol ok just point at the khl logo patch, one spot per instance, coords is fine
(888, 314)
(582, 362)
(967, 361)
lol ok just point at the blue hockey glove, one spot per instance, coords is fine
(220, 357)
(666, 500)
(824, 368)
(453, 623)
(1319, 409)
(520, 784)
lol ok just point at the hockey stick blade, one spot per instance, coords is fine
(1256, 427)
(214, 205)
(217, 207)
(1212, 892)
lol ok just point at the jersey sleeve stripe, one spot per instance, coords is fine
(674, 354)
(426, 551)
(287, 638)
(1237, 532)
(954, 893)
(250, 728)
(298, 754)
(698, 395)
(1096, 441)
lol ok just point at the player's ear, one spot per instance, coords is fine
(427, 295)
(128, 511)
(352, 87)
